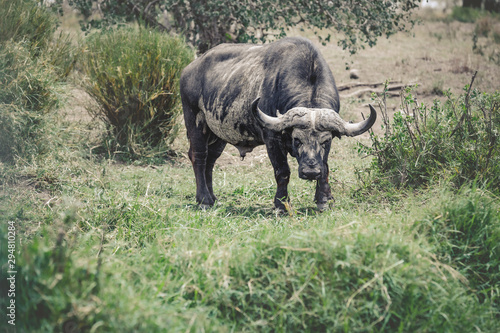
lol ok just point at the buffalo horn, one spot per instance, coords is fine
(331, 121)
(296, 117)
(325, 120)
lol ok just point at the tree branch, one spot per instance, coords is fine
(365, 84)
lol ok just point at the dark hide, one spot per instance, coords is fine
(218, 89)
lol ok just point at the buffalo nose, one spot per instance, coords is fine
(310, 173)
(311, 164)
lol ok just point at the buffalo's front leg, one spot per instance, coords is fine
(279, 161)
(323, 196)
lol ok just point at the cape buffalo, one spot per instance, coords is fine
(281, 94)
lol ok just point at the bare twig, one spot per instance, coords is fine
(367, 90)
(385, 116)
(412, 135)
(467, 107)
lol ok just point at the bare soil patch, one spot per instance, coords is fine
(436, 56)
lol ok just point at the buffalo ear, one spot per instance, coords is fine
(255, 104)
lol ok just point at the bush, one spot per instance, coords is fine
(133, 74)
(29, 92)
(466, 233)
(25, 20)
(35, 26)
(32, 63)
(466, 14)
(52, 289)
(457, 141)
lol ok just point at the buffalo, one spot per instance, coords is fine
(282, 95)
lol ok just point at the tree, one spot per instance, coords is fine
(472, 3)
(492, 5)
(489, 5)
(206, 23)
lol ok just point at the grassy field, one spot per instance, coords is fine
(107, 244)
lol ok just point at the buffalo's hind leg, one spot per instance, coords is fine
(199, 135)
(199, 162)
(215, 149)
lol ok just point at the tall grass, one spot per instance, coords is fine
(133, 74)
(32, 24)
(466, 234)
(33, 62)
(29, 92)
(26, 20)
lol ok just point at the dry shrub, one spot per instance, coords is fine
(484, 26)
(133, 75)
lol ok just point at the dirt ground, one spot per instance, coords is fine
(437, 55)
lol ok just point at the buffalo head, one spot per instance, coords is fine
(312, 131)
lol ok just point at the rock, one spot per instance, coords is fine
(354, 74)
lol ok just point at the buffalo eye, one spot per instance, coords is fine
(324, 144)
(297, 143)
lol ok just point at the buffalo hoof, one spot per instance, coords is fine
(205, 201)
(322, 206)
(204, 207)
(282, 212)
(285, 208)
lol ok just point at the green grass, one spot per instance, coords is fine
(33, 64)
(106, 246)
(119, 247)
(24, 20)
(466, 232)
(469, 15)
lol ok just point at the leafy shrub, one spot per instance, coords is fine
(133, 74)
(206, 23)
(457, 140)
(466, 234)
(465, 14)
(52, 289)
